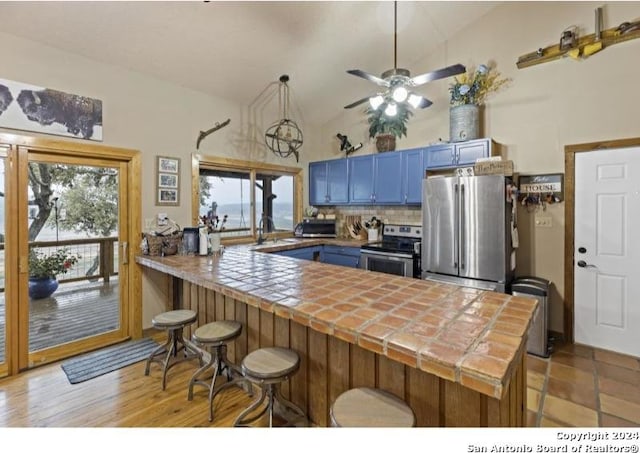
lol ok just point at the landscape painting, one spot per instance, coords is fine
(36, 109)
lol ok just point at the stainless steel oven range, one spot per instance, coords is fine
(398, 252)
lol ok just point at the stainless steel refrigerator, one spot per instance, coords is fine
(466, 231)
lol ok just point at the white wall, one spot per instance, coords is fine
(545, 108)
(150, 115)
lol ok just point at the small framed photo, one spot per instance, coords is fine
(168, 180)
(168, 164)
(168, 197)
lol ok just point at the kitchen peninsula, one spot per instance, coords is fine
(455, 355)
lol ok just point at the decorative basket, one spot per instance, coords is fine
(162, 245)
(385, 142)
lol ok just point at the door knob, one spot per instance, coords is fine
(584, 264)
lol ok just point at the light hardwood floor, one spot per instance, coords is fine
(123, 398)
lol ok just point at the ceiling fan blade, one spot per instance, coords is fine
(369, 77)
(439, 74)
(361, 101)
(424, 103)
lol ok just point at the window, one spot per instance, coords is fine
(251, 196)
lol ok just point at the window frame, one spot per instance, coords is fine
(253, 168)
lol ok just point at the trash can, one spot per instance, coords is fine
(537, 288)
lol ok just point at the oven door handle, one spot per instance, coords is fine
(394, 257)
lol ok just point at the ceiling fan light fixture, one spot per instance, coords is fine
(414, 100)
(391, 110)
(376, 101)
(400, 94)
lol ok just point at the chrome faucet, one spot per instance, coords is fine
(260, 238)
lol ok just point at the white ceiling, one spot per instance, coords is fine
(234, 50)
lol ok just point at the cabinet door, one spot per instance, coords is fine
(440, 156)
(337, 181)
(361, 179)
(304, 253)
(317, 183)
(341, 256)
(413, 172)
(468, 152)
(387, 178)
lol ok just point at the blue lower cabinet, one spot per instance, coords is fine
(341, 256)
(305, 253)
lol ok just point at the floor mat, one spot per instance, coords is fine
(100, 362)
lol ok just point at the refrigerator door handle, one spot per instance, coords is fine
(454, 233)
(462, 227)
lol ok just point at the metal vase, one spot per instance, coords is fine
(464, 122)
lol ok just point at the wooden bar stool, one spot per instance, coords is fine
(173, 322)
(215, 336)
(268, 368)
(368, 407)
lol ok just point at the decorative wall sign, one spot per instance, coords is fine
(36, 109)
(167, 181)
(540, 190)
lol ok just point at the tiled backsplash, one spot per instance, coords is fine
(408, 215)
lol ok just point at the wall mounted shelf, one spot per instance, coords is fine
(586, 45)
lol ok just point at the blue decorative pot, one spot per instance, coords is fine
(42, 287)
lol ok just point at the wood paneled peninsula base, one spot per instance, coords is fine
(455, 355)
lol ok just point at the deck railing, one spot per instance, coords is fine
(98, 258)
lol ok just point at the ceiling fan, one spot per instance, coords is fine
(398, 81)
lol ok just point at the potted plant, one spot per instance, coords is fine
(387, 128)
(43, 270)
(468, 92)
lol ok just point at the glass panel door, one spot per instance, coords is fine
(74, 221)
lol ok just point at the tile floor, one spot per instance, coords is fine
(583, 387)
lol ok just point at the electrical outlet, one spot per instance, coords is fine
(544, 222)
(148, 224)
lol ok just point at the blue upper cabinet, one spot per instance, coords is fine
(457, 154)
(328, 182)
(468, 152)
(376, 179)
(317, 183)
(387, 178)
(338, 181)
(413, 171)
(440, 155)
(393, 178)
(361, 179)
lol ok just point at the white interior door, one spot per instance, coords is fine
(607, 249)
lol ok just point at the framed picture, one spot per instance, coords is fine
(167, 181)
(48, 111)
(168, 197)
(168, 164)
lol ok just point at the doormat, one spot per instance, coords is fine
(94, 364)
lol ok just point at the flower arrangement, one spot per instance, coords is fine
(473, 87)
(58, 262)
(213, 224)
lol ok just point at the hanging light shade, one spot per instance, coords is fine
(284, 137)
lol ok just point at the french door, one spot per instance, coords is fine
(74, 211)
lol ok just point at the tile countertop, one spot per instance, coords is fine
(460, 334)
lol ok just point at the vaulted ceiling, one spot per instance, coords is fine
(234, 50)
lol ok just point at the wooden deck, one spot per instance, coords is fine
(76, 310)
